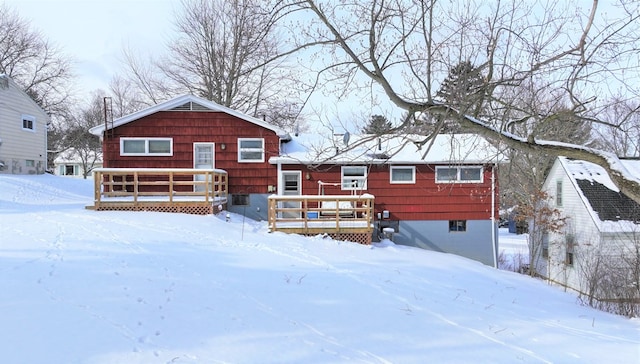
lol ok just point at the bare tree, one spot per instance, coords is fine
(78, 140)
(610, 274)
(404, 49)
(33, 62)
(285, 114)
(123, 99)
(543, 220)
(225, 51)
(622, 135)
(525, 173)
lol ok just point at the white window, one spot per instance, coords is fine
(146, 146)
(250, 150)
(458, 174)
(28, 122)
(354, 178)
(67, 170)
(559, 193)
(402, 174)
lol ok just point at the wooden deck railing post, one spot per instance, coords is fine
(135, 188)
(97, 187)
(271, 214)
(171, 188)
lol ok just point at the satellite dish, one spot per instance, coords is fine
(345, 138)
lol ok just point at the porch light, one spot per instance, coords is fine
(307, 176)
(223, 146)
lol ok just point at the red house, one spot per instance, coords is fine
(440, 196)
(190, 132)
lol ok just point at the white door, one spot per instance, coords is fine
(203, 158)
(291, 185)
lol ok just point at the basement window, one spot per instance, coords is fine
(240, 200)
(457, 225)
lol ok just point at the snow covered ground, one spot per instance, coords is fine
(80, 286)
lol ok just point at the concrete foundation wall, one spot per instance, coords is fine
(475, 243)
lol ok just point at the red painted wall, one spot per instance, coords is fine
(188, 127)
(424, 200)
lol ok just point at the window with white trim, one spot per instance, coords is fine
(457, 225)
(354, 178)
(402, 174)
(146, 146)
(68, 170)
(559, 193)
(250, 150)
(28, 122)
(467, 174)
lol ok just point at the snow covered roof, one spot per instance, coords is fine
(189, 103)
(390, 149)
(615, 210)
(71, 156)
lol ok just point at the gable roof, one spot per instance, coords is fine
(389, 149)
(603, 199)
(188, 103)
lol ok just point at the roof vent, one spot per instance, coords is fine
(190, 106)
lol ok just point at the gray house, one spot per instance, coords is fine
(23, 131)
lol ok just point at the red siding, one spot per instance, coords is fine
(424, 200)
(186, 128)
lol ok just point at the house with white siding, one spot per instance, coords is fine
(23, 131)
(598, 252)
(74, 163)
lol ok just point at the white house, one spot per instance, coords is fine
(23, 131)
(598, 253)
(73, 164)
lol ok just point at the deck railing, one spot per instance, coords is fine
(144, 188)
(320, 214)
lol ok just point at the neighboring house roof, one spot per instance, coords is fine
(390, 149)
(72, 157)
(614, 210)
(187, 103)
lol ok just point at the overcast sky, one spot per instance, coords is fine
(93, 32)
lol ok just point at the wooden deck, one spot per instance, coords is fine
(196, 191)
(339, 216)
